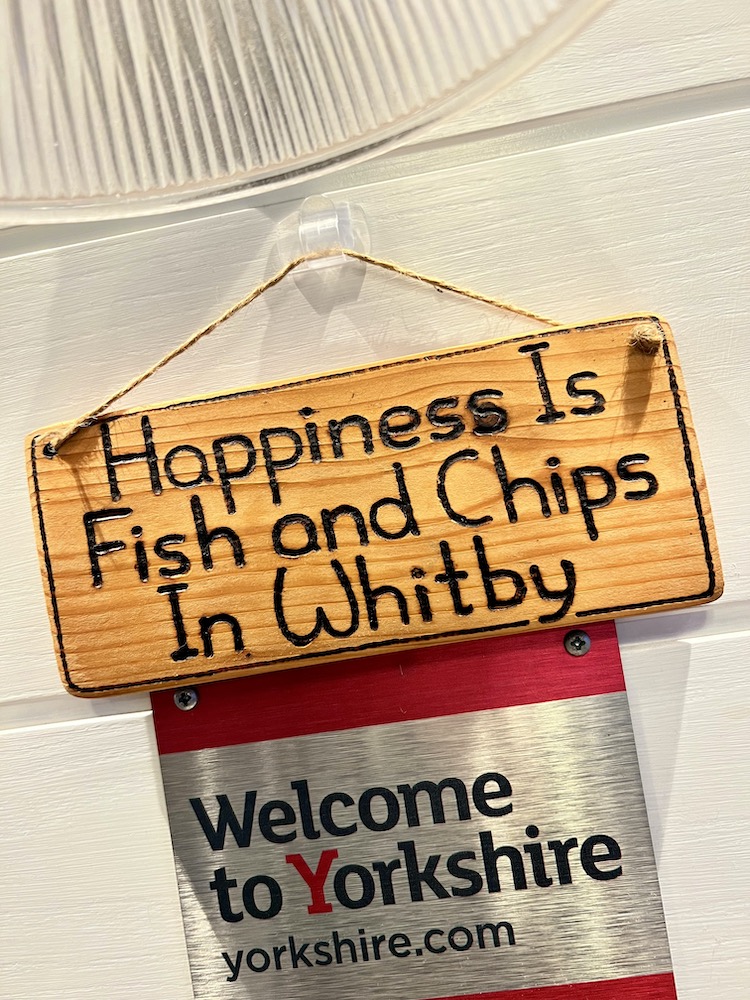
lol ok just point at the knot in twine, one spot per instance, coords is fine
(645, 338)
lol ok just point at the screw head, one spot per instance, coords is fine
(577, 642)
(185, 699)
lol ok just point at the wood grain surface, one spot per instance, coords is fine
(547, 479)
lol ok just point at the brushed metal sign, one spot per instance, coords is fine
(456, 844)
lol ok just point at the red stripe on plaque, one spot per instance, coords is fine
(398, 686)
(658, 987)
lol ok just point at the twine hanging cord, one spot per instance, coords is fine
(647, 341)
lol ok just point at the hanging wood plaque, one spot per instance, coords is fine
(545, 480)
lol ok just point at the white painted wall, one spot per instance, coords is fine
(612, 179)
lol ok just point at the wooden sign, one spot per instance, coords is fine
(549, 479)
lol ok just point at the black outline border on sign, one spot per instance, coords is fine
(477, 349)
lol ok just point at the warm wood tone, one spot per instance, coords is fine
(631, 555)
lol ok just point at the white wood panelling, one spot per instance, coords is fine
(691, 715)
(631, 50)
(89, 901)
(620, 200)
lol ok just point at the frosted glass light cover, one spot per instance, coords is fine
(110, 107)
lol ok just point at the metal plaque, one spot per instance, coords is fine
(435, 823)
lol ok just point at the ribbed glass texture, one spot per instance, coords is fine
(111, 103)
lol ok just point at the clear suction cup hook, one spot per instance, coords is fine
(321, 224)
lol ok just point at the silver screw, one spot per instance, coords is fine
(186, 699)
(577, 642)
